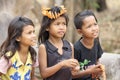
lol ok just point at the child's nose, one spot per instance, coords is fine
(34, 35)
(61, 26)
(94, 27)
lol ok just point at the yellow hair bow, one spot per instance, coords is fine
(53, 15)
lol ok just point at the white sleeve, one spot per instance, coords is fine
(4, 65)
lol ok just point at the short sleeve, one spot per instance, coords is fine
(77, 51)
(4, 65)
(100, 51)
(76, 54)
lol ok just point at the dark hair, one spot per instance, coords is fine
(78, 19)
(15, 30)
(46, 22)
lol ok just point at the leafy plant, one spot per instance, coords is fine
(90, 4)
(82, 64)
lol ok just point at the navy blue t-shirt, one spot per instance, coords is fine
(81, 53)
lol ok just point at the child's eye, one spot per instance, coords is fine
(89, 26)
(60, 23)
(95, 24)
(64, 23)
(57, 24)
(34, 31)
(30, 32)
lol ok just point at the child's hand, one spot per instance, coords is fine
(103, 75)
(102, 67)
(96, 75)
(100, 75)
(95, 69)
(76, 69)
(72, 63)
(98, 71)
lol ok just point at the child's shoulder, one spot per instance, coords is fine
(42, 45)
(77, 43)
(67, 42)
(96, 41)
(4, 64)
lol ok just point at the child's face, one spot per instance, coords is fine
(28, 37)
(90, 27)
(57, 28)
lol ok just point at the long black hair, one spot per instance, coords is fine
(15, 30)
(46, 22)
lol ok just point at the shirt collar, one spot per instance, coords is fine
(53, 48)
(19, 62)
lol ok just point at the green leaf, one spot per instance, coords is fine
(86, 62)
(81, 64)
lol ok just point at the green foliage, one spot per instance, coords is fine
(90, 4)
(82, 64)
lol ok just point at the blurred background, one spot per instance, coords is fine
(106, 11)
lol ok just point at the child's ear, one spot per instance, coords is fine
(79, 31)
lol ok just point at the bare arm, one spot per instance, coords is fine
(80, 73)
(92, 70)
(44, 70)
(98, 62)
(49, 71)
(72, 50)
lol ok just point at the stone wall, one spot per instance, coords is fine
(112, 65)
